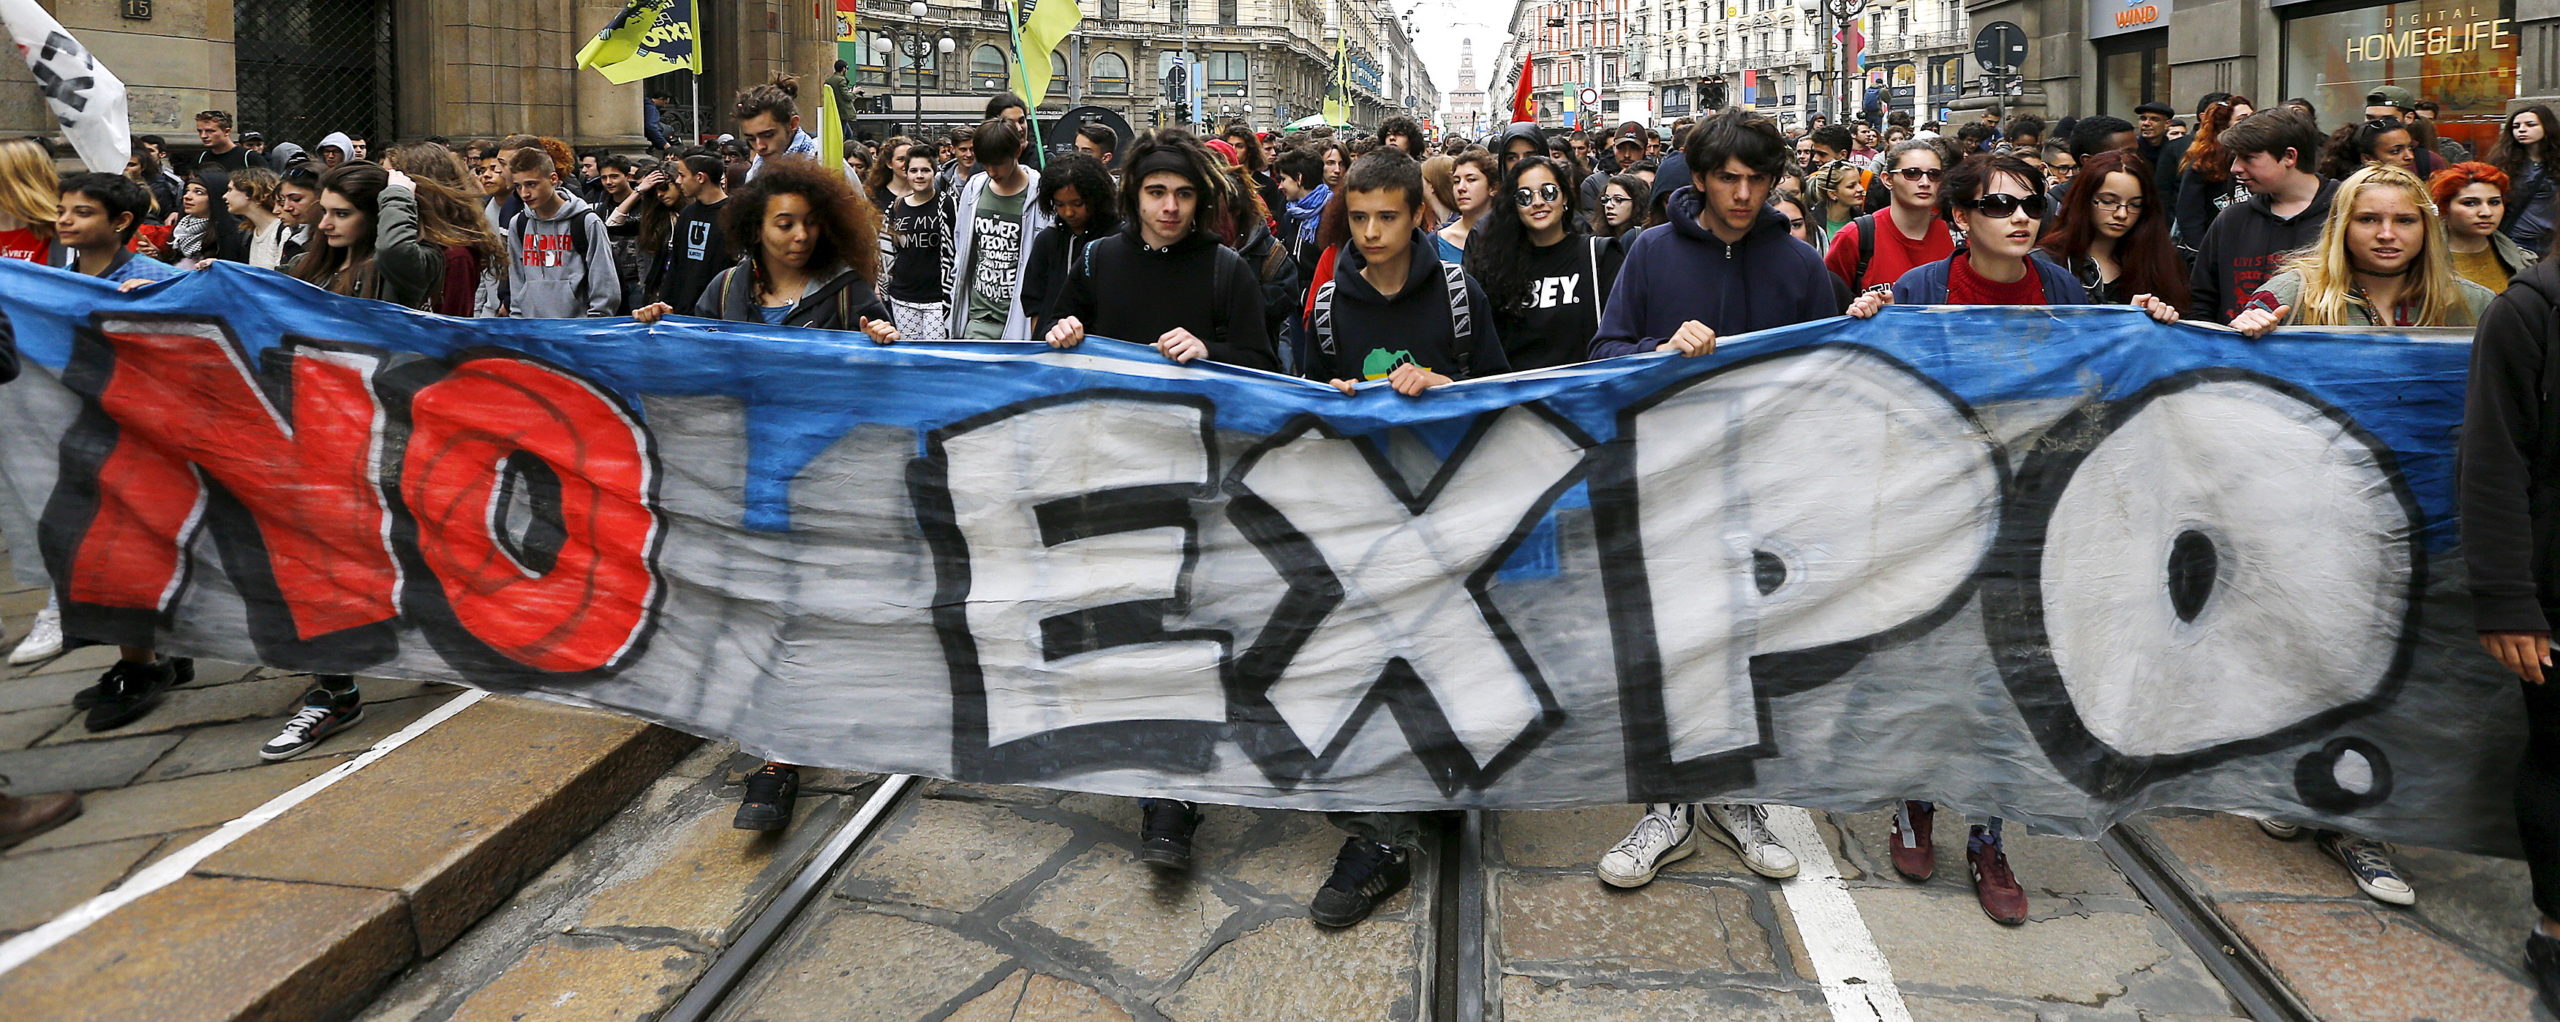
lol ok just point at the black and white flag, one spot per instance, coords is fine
(86, 97)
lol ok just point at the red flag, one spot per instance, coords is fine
(1522, 107)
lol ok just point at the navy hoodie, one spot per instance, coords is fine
(1373, 333)
(1768, 279)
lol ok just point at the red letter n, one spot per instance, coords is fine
(187, 408)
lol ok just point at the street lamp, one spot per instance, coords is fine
(1841, 12)
(917, 44)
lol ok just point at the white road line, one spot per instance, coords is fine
(1855, 977)
(26, 946)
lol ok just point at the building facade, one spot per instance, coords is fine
(1787, 58)
(296, 70)
(2478, 58)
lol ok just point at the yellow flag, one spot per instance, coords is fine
(649, 37)
(830, 131)
(1045, 24)
(1337, 93)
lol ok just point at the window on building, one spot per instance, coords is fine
(1110, 75)
(987, 67)
(1059, 71)
(878, 50)
(1110, 8)
(915, 70)
(1226, 12)
(1226, 73)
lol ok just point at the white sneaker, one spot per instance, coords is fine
(44, 640)
(2280, 830)
(1745, 829)
(1667, 834)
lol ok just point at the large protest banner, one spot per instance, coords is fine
(2060, 564)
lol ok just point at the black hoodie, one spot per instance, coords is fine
(1127, 290)
(2510, 459)
(1373, 333)
(2247, 245)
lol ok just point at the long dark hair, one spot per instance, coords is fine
(1498, 251)
(850, 222)
(222, 229)
(348, 270)
(1637, 189)
(2511, 158)
(1092, 184)
(2147, 263)
(2355, 145)
(2205, 155)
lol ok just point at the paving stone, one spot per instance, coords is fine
(233, 746)
(1288, 856)
(50, 690)
(1528, 1000)
(1577, 926)
(86, 660)
(952, 855)
(515, 782)
(82, 766)
(2483, 902)
(1032, 997)
(1942, 942)
(220, 949)
(2361, 963)
(2060, 866)
(1011, 794)
(862, 966)
(192, 707)
(1143, 921)
(172, 843)
(1940, 1009)
(2237, 859)
(1561, 838)
(1222, 835)
(22, 728)
(207, 801)
(1291, 969)
(42, 885)
(700, 884)
(571, 979)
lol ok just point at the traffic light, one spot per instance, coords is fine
(1182, 113)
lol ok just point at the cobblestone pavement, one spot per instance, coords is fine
(159, 783)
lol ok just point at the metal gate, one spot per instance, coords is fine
(311, 67)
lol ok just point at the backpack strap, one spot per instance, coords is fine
(1322, 324)
(1866, 250)
(1461, 317)
(1599, 294)
(1223, 276)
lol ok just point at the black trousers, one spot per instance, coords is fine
(2538, 793)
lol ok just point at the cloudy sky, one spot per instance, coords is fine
(1439, 26)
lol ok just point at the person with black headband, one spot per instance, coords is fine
(1164, 279)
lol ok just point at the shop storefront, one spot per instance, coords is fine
(2460, 53)
(2131, 40)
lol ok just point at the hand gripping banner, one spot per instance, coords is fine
(2063, 565)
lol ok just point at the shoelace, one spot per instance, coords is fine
(1751, 824)
(1652, 830)
(309, 717)
(2370, 860)
(1361, 858)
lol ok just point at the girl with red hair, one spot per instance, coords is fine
(2472, 198)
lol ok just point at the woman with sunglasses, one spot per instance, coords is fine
(1543, 277)
(2113, 234)
(2381, 260)
(1880, 247)
(1999, 202)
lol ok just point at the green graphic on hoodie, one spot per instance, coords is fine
(1382, 362)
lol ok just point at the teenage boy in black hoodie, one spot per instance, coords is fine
(1726, 265)
(1392, 310)
(1164, 279)
(2510, 466)
(699, 249)
(2271, 155)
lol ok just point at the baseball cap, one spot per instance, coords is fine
(2392, 94)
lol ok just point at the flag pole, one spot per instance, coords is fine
(1022, 74)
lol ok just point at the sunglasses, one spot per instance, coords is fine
(2001, 204)
(1920, 174)
(1529, 196)
(1615, 200)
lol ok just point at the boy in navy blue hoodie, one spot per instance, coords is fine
(1726, 264)
(1393, 311)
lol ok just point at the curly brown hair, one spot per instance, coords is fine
(849, 221)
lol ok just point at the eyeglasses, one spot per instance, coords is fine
(2001, 204)
(2063, 169)
(2111, 205)
(1615, 200)
(1920, 173)
(1542, 193)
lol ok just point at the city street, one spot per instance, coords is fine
(933, 900)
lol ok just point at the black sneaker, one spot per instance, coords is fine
(88, 697)
(129, 690)
(1164, 836)
(1364, 874)
(2542, 958)
(771, 792)
(323, 713)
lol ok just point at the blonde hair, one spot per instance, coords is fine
(29, 187)
(2328, 270)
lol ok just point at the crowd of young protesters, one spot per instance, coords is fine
(1353, 258)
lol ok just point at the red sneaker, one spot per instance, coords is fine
(1997, 888)
(1915, 856)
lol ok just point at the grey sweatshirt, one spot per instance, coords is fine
(552, 275)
